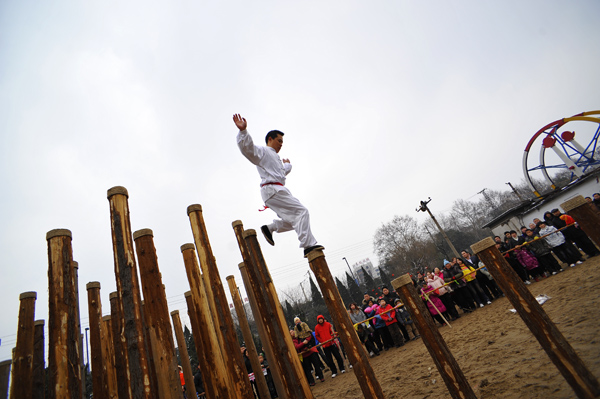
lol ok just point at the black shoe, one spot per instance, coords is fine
(309, 249)
(267, 233)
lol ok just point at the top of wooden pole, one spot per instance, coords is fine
(312, 255)
(236, 223)
(249, 232)
(174, 312)
(117, 190)
(241, 265)
(187, 293)
(402, 281)
(113, 295)
(142, 232)
(229, 278)
(75, 264)
(40, 322)
(28, 294)
(573, 203)
(5, 362)
(58, 233)
(92, 284)
(106, 318)
(193, 208)
(187, 246)
(486, 243)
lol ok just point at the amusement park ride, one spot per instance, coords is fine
(575, 156)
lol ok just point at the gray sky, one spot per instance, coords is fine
(383, 104)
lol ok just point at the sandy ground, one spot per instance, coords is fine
(495, 350)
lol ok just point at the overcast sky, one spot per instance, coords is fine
(383, 104)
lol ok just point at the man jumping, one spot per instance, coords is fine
(293, 215)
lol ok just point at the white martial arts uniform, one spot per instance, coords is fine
(294, 216)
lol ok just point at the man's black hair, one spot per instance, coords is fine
(272, 134)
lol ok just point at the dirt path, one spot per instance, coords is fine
(494, 348)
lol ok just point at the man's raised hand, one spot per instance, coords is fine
(240, 122)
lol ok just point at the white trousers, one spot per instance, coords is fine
(294, 216)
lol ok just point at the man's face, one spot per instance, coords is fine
(261, 359)
(529, 233)
(321, 320)
(366, 297)
(556, 213)
(596, 196)
(464, 254)
(536, 220)
(276, 143)
(498, 239)
(385, 291)
(532, 226)
(513, 235)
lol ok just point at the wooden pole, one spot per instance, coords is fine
(78, 328)
(130, 299)
(447, 366)
(156, 312)
(238, 229)
(38, 382)
(218, 388)
(545, 331)
(4, 378)
(586, 215)
(120, 348)
(153, 381)
(259, 377)
(216, 380)
(99, 369)
(266, 342)
(222, 315)
(188, 373)
(63, 355)
(109, 354)
(22, 375)
(294, 383)
(357, 354)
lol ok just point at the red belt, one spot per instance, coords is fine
(271, 184)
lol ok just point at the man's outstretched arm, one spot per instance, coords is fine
(240, 122)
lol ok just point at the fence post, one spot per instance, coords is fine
(294, 383)
(22, 374)
(447, 366)
(586, 215)
(259, 377)
(558, 349)
(156, 312)
(120, 348)
(231, 348)
(359, 358)
(216, 380)
(63, 355)
(188, 374)
(99, 369)
(130, 299)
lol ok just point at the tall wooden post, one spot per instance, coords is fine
(212, 365)
(586, 215)
(109, 354)
(188, 373)
(266, 342)
(156, 311)
(545, 331)
(259, 377)
(63, 355)
(448, 367)
(214, 388)
(22, 382)
(120, 348)
(39, 369)
(78, 328)
(358, 355)
(231, 348)
(4, 378)
(99, 369)
(130, 299)
(285, 357)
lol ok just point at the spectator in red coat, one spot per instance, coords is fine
(325, 335)
(309, 358)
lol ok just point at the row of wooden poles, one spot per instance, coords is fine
(133, 352)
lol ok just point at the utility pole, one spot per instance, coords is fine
(351, 273)
(515, 191)
(439, 247)
(424, 208)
